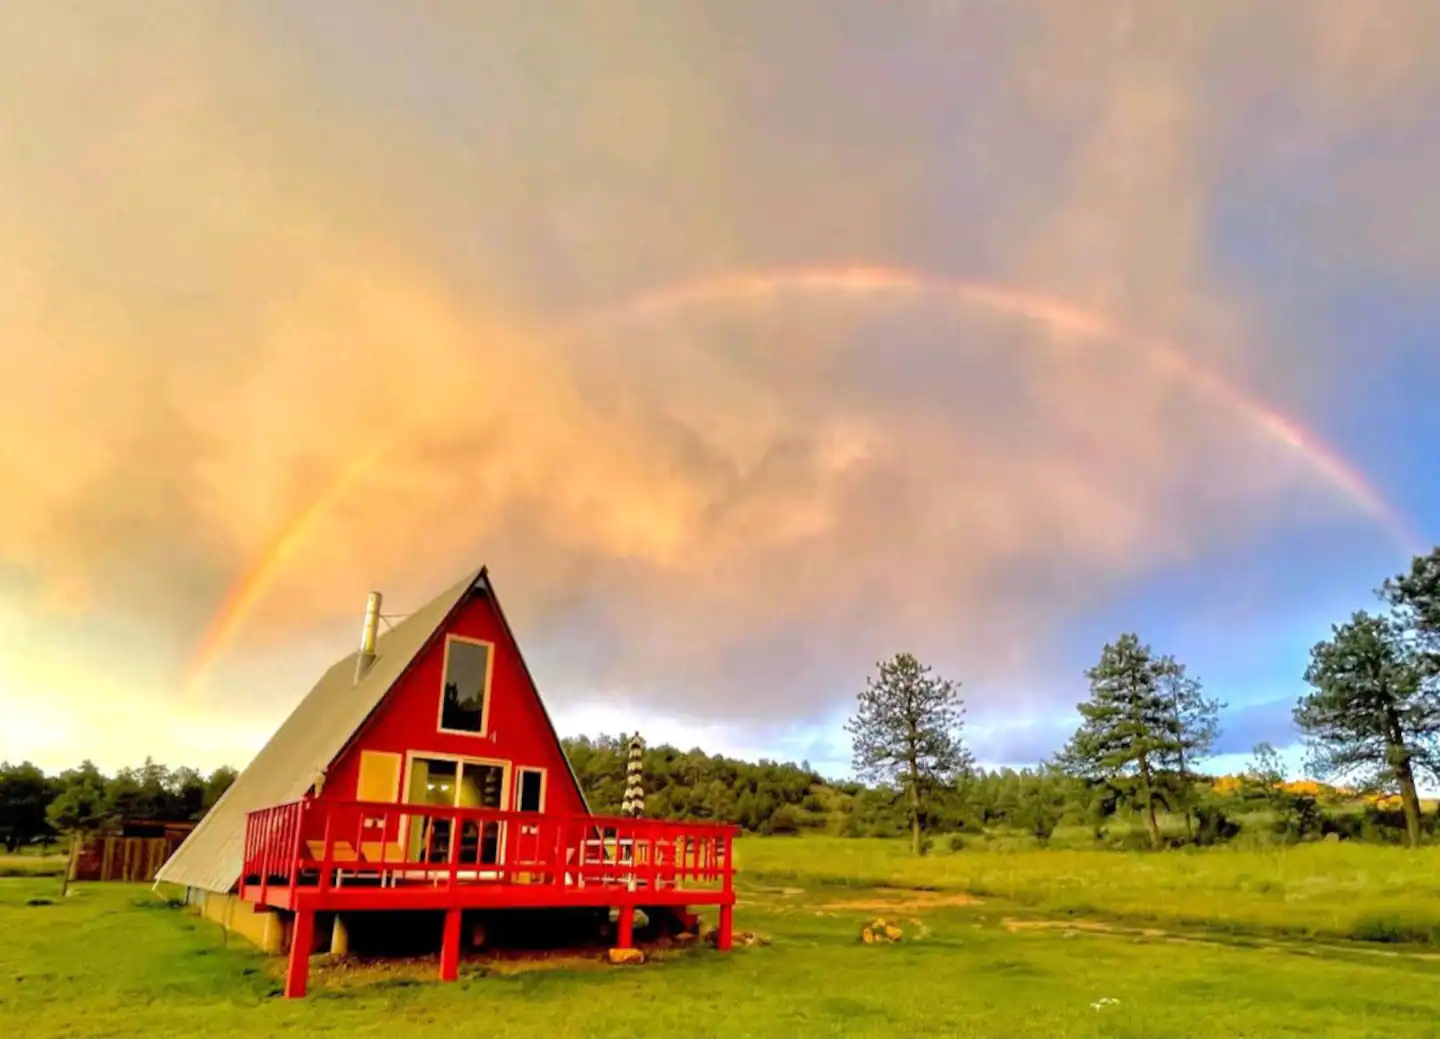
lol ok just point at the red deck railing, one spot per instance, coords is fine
(380, 853)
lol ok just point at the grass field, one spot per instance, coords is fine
(1021, 943)
(33, 863)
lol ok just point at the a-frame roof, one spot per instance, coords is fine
(317, 731)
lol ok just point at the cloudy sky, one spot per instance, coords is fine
(747, 342)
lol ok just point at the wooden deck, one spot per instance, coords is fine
(314, 856)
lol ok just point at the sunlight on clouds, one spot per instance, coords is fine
(241, 253)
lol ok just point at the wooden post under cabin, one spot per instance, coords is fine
(450, 946)
(302, 940)
(726, 938)
(339, 937)
(625, 937)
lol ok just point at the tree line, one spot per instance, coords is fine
(36, 808)
(1371, 719)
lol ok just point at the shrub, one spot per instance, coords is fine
(1213, 826)
(784, 821)
(1390, 929)
(957, 842)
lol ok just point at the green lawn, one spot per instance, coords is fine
(113, 961)
(1320, 890)
(33, 863)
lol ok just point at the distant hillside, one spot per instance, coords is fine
(769, 797)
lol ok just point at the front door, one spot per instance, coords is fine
(451, 783)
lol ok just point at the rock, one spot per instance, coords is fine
(641, 920)
(622, 957)
(878, 932)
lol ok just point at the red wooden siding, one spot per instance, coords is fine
(407, 722)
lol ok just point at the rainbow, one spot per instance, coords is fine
(242, 597)
(855, 282)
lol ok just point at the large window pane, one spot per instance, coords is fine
(467, 675)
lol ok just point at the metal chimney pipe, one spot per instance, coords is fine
(368, 635)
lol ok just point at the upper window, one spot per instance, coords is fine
(463, 705)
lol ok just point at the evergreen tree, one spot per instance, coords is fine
(1128, 734)
(1197, 725)
(906, 733)
(1373, 715)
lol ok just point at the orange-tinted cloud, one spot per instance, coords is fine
(238, 251)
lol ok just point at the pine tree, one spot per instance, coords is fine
(1374, 715)
(907, 733)
(1197, 725)
(1128, 734)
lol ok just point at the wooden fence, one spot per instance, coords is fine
(133, 859)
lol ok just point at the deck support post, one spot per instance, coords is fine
(726, 938)
(625, 938)
(302, 941)
(450, 946)
(339, 937)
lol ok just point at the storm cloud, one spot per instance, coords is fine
(244, 246)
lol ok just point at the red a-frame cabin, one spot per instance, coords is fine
(423, 773)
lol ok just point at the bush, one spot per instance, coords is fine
(783, 821)
(1387, 825)
(957, 842)
(1347, 826)
(1380, 927)
(1213, 826)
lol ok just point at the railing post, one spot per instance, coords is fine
(264, 856)
(297, 842)
(452, 853)
(245, 857)
(328, 850)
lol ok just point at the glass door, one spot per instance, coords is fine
(481, 786)
(449, 783)
(432, 782)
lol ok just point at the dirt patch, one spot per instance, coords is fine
(1073, 928)
(406, 970)
(1091, 926)
(913, 902)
